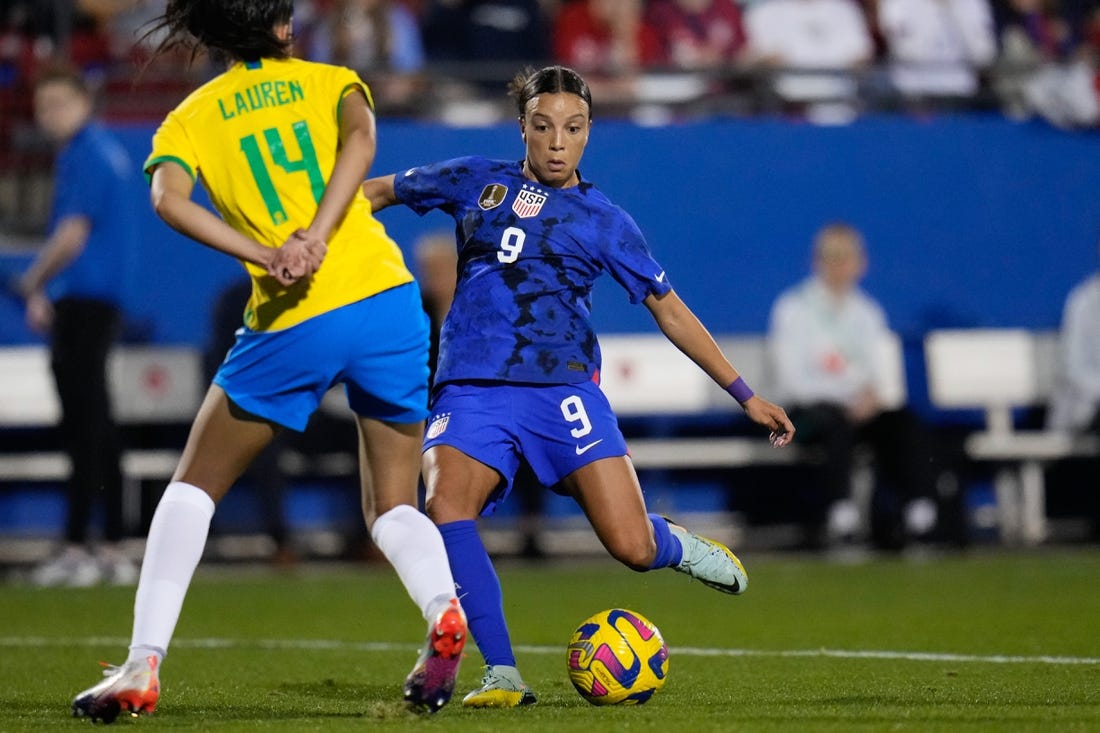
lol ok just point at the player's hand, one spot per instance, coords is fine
(299, 257)
(39, 312)
(773, 417)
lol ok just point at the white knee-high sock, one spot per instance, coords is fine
(414, 547)
(176, 540)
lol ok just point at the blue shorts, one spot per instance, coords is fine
(556, 428)
(377, 347)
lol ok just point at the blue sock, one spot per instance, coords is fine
(669, 549)
(478, 591)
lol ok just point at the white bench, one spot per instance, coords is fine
(150, 385)
(645, 374)
(999, 370)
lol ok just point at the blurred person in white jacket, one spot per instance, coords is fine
(937, 48)
(825, 337)
(819, 46)
(1075, 404)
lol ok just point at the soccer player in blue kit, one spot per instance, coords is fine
(518, 371)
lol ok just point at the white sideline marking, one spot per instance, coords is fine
(326, 644)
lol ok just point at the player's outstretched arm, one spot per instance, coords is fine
(681, 326)
(379, 191)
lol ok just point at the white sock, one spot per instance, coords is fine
(176, 540)
(414, 547)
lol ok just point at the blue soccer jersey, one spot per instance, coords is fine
(527, 258)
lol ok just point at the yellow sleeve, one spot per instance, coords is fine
(172, 143)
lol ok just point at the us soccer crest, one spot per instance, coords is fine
(528, 203)
(439, 424)
(492, 196)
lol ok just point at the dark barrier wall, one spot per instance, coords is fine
(970, 221)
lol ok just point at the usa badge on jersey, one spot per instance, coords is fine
(528, 203)
(492, 196)
(439, 425)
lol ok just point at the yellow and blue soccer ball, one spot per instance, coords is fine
(617, 657)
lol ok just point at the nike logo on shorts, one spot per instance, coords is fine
(582, 449)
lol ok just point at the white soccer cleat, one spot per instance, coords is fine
(134, 687)
(709, 562)
(501, 687)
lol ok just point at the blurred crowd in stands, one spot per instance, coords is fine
(655, 60)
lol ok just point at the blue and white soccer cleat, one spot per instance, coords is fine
(431, 682)
(134, 687)
(501, 687)
(710, 562)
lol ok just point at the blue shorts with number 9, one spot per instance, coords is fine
(557, 428)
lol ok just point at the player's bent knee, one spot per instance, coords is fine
(445, 506)
(637, 556)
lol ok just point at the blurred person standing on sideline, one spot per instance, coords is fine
(824, 336)
(74, 291)
(281, 146)
(1075, 404)
(436, 260)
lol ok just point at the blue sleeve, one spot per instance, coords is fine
(631, 264)
(432, 186)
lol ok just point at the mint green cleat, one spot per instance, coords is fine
(710, 562)
(501, 687)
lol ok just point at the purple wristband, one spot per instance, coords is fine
(740, 391)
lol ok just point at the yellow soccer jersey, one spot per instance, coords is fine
(262, 139)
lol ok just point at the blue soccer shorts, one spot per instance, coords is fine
(557, 428)
(377, 347)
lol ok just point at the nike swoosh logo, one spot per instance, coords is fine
(582, 449)
(661, 277)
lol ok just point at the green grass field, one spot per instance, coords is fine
(982, 641)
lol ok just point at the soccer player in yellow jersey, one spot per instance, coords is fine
(281, 146)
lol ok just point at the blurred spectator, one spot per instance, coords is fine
(825, 337)
(697, 34)
(436, 259)
(380, 39)
(64, 30)
(610, 42)
(123, 23)
(74, 290)
(1075, 403)
(937, 49)
(818, 46)
(265, 474)
(1039, 71)
(508, 31)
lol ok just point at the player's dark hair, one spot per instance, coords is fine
(231, 30)
(530, 83)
